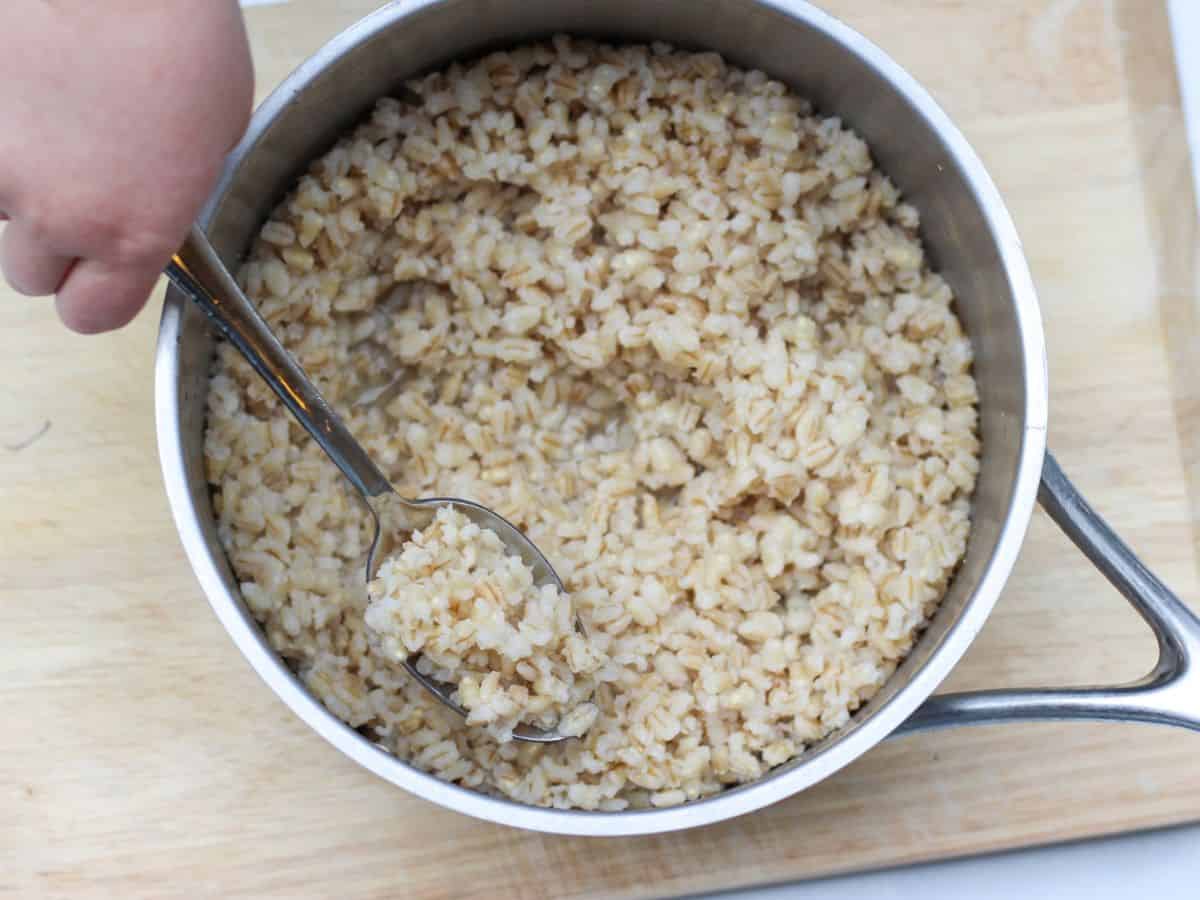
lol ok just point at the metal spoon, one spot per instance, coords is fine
(199, 273)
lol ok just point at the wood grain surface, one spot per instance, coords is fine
(140, 756)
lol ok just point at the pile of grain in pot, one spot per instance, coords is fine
(669, 322)
(471, 616)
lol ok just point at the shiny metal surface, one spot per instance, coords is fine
(1169, 694)
(967, 232)
(198, 273)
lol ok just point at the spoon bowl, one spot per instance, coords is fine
(395, 516)
(199, 273)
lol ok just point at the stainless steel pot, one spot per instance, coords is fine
(970, 238)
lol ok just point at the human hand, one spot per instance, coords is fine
(117, 116)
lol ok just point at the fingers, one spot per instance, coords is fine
(96, 297)
(92, 296)
(28, 264)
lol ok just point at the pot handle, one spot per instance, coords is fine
(1167, 695)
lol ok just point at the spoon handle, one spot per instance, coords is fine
(199, 273)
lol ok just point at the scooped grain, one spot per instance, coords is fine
(453, 595)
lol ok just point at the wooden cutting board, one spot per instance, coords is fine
(143, 757)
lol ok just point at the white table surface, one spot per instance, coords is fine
(1163, 865)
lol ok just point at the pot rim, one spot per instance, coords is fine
(732, 802)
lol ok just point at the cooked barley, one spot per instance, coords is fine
(678, 329)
